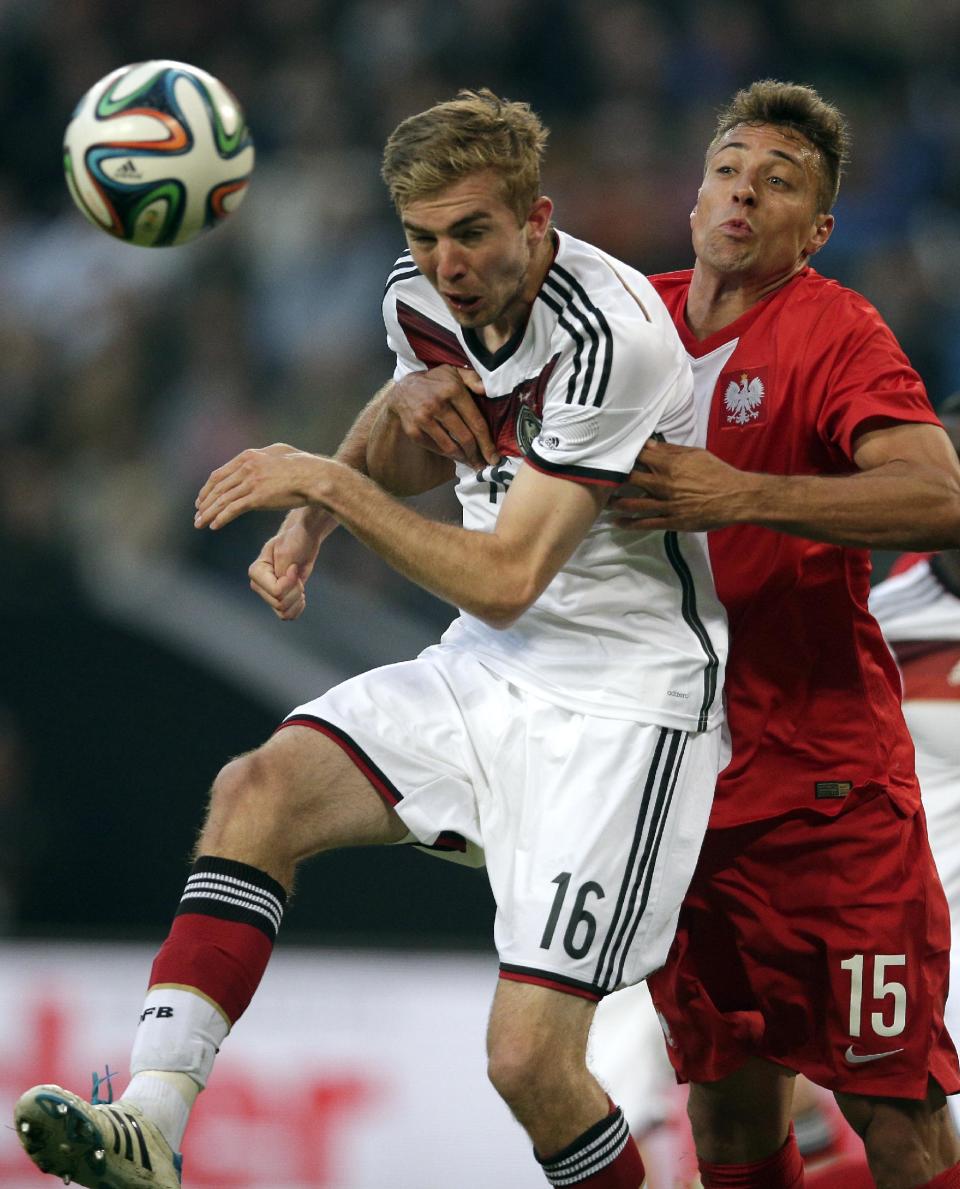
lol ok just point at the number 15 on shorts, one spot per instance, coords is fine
(886, 994)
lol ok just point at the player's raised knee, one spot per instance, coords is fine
(248, 788)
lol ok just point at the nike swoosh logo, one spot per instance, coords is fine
(853, 1058)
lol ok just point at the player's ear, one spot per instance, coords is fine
(693, 213)
(822, 231)
(538, 220)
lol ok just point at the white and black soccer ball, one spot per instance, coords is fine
(157, 152)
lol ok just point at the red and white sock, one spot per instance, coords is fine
(201, 983)
(604, 1157)
(782, 1170)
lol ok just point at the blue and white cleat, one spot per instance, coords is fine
(107, 1146)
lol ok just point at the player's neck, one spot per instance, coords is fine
(717, 299)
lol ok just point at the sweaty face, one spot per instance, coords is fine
(757, 209)
(470, 246)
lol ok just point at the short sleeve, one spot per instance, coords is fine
(406, 360)
(867, 376)
(594, 425)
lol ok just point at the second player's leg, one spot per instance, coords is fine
(295, 796)
(742, 1118)
(907, 1142)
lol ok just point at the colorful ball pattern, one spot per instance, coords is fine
(157, 153)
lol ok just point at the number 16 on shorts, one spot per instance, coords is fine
(581, 925)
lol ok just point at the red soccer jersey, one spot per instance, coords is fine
(813, 695)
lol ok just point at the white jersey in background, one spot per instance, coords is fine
(920, 618)
(631, 627)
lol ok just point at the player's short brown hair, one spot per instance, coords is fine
(799, 108)
(475, 131)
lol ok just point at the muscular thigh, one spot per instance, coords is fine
(742, 1117)
(301, 788)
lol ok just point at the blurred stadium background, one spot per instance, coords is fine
(133, 659)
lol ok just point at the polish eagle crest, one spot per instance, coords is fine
(742, 401)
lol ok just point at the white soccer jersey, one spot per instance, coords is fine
(920, 619)
(631, 626)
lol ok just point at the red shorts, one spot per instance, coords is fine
(820, 943)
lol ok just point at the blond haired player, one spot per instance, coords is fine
(568, 724)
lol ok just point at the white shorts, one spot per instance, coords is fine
(590, 827)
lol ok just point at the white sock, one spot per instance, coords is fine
(166, 1099)
(180, 1031)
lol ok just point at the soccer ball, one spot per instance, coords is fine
(157, 152)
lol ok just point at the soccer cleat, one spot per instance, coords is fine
(108, 1146)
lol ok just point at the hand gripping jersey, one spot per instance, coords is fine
(631, 627)
(813, 699)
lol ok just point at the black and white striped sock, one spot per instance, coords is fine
(589, 1154)
(234, 891)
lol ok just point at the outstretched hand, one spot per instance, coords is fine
(679, 488)
(436, 410)
(275, 477)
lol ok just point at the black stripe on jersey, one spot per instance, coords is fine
(576, 304)
(591, 355)
(688, 607)
(591, 332)
(594, 315)
(647, 834)
(578, 352)
(592, 475)
(400, 276)
(402, 269)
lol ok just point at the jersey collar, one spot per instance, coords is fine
(699, 347)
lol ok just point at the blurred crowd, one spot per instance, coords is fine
(127, 373)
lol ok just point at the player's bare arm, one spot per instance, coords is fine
(395, 461)
(495, 576)
(906, 494)
(436, 413)
(287, 559)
